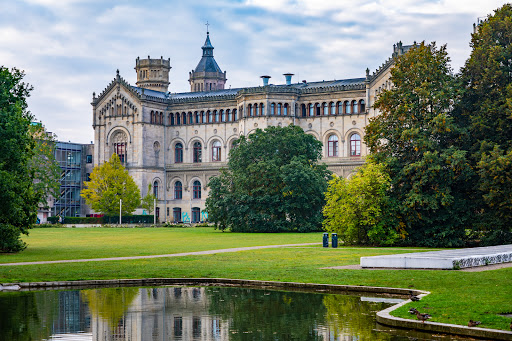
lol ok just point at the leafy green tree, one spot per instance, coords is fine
(486, 107)
(358, 209)
(273, 183)
(45, 167)
(418, 140)
(18, 198)
(109, 183)
(148, 202)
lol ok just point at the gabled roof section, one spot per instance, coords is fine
(117, 80)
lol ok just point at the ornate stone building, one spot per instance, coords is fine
(177, 142)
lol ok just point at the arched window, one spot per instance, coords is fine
(332, 146)
(326, 109)
(178, 153)
(196, 114)
(184, 118)
(216, 150)
(190, 121)
(279, 107)
(340, 108)
(285, 109)
(355, 145)
(318, 109)
(230, 116)
(210, 116)
(235, 115)
(223, 116)
(303, 109)
(311, 110)
(203, 117)
(347, 107)
(152, 117)
(272, 109)
(333, 108)
(196, 214)
(196, 190)
(155, 189)
(217, 118)
(178, 190)
(262, 109)
(362, 106)
(251, 110)
(161, 118)
(171, 119)
(197, 152)
(354, 107)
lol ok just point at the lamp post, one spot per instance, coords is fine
(120, 207)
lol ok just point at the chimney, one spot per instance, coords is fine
(265, 80)
(288, 77)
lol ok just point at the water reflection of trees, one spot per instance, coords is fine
(27, 315)
(110, 303)
(268, 315)
(348, 315)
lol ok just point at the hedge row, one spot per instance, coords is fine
(132, 219)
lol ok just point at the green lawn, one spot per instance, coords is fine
(456, 296)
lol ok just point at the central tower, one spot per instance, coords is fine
(207, 76)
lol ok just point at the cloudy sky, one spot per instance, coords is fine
(72, 48)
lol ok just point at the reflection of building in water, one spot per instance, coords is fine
(73, 314)
(162, 314)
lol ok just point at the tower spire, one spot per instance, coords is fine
(207, 75)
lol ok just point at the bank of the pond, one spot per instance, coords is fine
(456, 296)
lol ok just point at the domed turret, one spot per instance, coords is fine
(207, 75)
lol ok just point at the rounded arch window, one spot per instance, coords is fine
(347, 107)
(196, 190)
(354, 107)
(155, 189)
(355, 145)
(178, 190)
(197, 155)
(178, 153)
(216, 151)
(332, 146)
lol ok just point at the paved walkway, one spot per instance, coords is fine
(207, 252)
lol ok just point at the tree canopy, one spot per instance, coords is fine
(109, 183)
(486, 108)
(418, 140)
(27, 169)
(273, 183)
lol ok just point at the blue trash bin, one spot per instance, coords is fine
(334, 240)
(326, 240)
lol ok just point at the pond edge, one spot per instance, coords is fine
(383, 316)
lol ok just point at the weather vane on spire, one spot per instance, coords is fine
(207, 30)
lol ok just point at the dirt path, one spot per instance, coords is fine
(207, 252)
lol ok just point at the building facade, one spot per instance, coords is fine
(177, 141)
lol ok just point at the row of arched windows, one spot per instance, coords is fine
(354, 147)
(332, 108)
(157, 117)
(197, 117)
(197, 150)
(276, 109)
(196, 190)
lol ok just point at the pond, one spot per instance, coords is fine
(194, 313)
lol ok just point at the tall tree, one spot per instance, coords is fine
(417, 139)
(110, 182)
(486, 107)
(18, 199)
(273, 183)
(148, 201)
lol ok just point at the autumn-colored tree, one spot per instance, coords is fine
(110, 182)
(358, 209)
(418, 141)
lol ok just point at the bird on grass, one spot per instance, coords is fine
(413, 311)
(472, 323)
(422, 317)
(413, 297)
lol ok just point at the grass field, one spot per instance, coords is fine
(456, 296)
